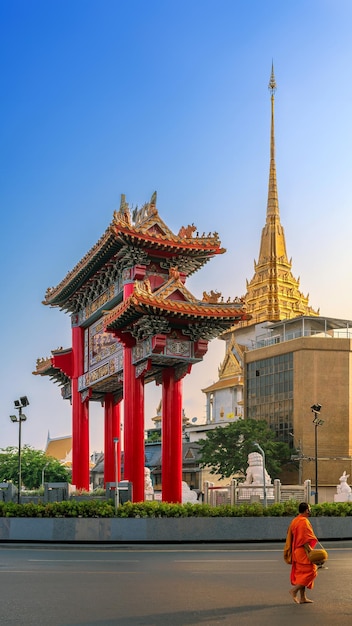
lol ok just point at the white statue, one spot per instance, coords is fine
(188, 495)
(254, 473)
(343, 487)
(344, 491)
(148, 485)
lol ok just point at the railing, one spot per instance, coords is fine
(237, 493)
(263, 341)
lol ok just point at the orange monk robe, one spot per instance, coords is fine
(300, 531)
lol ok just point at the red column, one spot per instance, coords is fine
(133, 408)
(80, 416)
(112, 429)
(171, 468)
(133, 411)
(128, 374)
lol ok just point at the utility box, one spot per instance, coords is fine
(55, 492)
(125, 491)
(8, 492)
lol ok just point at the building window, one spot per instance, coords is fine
(270, 394)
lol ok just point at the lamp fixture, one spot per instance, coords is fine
(24, 401)
(316, 408)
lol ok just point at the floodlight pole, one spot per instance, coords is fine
(317, 422)
(19, 404)
(19, 455)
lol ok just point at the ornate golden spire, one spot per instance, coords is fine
(273, 243)
(273, 200)
(273, 293)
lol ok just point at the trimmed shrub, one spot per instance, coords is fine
(99, 508)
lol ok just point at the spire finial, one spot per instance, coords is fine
(273, 200)
(272, 82)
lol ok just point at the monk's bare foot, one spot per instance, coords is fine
(294, 596)
(306, 601)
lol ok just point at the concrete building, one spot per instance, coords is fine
(296, 365)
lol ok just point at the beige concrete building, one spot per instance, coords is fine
(293, 366)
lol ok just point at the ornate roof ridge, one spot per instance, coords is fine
(61, 350)
(43, 364)
(143, 296)
(200, 243)
(143, 290)
(174, 283)
(141, 220)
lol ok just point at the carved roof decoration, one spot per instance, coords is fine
(144, 232)
(174, 288)
(232, 364)
(45, 367)
(172, 301)
(273, 293)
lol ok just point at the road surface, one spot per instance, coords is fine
(166, 585)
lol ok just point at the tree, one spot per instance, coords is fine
(226, 448)
(33, 462)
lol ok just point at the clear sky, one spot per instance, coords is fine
(103, 97)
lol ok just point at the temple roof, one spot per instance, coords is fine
(232, 364)
(143, 234)
(60, 448)
(174, 302)
(225, 383)
(46, 367)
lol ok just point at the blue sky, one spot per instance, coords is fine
(100, 98)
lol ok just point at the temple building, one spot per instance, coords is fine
(285, 359)
(135, 322)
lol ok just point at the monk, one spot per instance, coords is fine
(300, 540)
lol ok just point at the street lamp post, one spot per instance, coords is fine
(19, 405)
(43, 473)
(264, 478)
(317, 421)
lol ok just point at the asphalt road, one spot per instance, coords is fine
(167, 585)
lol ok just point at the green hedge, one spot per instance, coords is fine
(98, 508)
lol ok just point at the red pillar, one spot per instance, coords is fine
(80, 416)
(171, 468)
(133, 407)
(112, 427)
(133, 411)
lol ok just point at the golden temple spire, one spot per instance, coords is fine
(273, 293)
(273, 243)
(273, 200)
